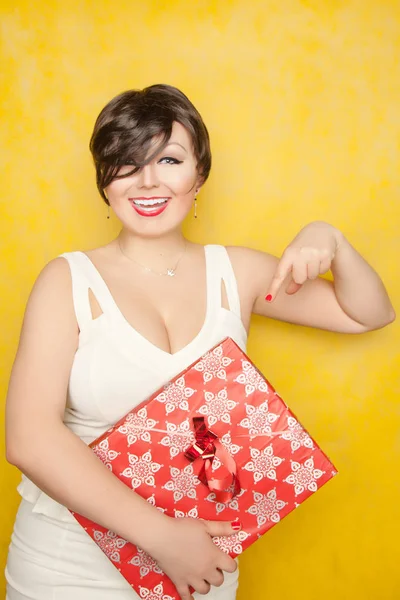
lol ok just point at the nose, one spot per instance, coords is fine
(148, 177)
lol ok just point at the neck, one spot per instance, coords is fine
(152, 252)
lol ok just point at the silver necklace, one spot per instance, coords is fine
(168, 273)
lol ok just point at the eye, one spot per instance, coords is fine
(175, 161)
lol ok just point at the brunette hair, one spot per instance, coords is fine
(126, 126)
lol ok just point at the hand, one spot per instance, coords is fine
(185, 552)
(310, 254)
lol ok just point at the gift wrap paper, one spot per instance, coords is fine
(218, 443)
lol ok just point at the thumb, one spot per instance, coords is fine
(217, 528)
(184, 594)
(293, 287)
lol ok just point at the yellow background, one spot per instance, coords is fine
(302, 103)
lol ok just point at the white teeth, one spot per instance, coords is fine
(155, 202)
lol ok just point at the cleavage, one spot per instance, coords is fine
(182, 320)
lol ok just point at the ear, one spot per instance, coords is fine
(199, 185)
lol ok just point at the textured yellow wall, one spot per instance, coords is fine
(301, 99)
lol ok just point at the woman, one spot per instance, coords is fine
(106, 328)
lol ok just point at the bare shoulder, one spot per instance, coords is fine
(103, 252)
(56, 270)
(50, 303)
(253, 269)
(54, 281)
(247, 258)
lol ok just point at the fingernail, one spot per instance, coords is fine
(236, 525)
(268, 298)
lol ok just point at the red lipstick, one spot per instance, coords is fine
(149, 211)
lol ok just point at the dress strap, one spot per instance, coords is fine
(85, 277)
(220, 270)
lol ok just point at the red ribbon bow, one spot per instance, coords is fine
(207, 447)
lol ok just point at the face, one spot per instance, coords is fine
(156, 199)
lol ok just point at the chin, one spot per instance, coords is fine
(152, 227)
(151, 230)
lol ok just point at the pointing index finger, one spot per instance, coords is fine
(282, 271)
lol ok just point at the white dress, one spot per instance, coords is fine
(115, 368)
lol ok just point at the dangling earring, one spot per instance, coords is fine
(195, 207)
(108, 204)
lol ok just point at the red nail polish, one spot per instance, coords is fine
(268, 298)
(236, 525)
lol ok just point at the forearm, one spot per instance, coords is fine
(359, 289)
(65, 468)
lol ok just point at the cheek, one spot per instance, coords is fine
(118, 188)
(180, 180)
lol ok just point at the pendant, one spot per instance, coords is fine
(170, 272)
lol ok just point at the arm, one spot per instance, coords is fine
(63, 466)
(355, 302)
(38, 442)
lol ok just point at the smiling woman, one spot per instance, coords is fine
(136, 126)
(156, 140)
(163, 302)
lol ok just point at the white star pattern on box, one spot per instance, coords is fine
(182, 483)
(304, 477)
(141, 470)
(266, 507)
(156, 593)
(296, 435)
(192, 514)
(175, 395)
(220, 506)
(231, 543)
(232, 448)
(110, 543)
(137, 427)
(104, 453)
(213, 364)
(263, 463)
(217, 407)
(251, 379)
(229, 446)
(216, 464)
(259, 419)
(179, 438)
(145, 563)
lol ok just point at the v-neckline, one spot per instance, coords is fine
(132, 330)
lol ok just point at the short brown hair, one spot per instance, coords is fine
(124, 130)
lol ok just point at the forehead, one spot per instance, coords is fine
(180, 134)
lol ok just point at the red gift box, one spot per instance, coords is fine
(218, 443)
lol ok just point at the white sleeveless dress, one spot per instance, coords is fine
(114, 369)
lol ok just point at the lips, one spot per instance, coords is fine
(149, 206)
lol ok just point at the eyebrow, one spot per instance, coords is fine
(177, 144)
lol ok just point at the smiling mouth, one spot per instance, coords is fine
(149, 202)
(149, 207)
